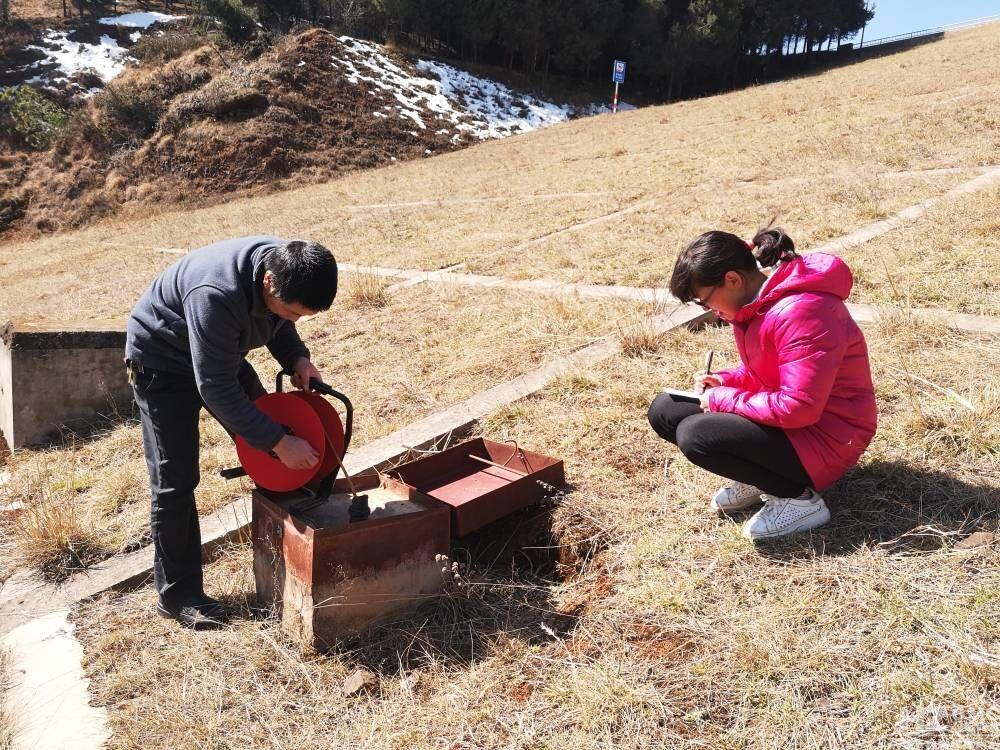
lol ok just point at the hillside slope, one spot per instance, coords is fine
(660, 626)
(824, 154)
(213, 123)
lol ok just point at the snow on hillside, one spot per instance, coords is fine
(63, 54)
(63, 58)
(450, 101)
(138, 20)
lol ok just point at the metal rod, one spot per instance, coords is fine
(499, 466)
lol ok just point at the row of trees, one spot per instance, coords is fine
(678, 46)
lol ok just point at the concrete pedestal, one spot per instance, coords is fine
(56, 373)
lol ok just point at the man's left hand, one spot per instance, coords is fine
(305, 371)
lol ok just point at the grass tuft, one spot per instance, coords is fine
(54, 537)
(367, 290)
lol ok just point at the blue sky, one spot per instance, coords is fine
(901, 16)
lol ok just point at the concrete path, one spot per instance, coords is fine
(863, 313)
(48, 698)
(877, 229)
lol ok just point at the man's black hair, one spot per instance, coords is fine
(303, 272)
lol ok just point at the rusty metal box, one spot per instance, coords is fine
(483, 481)
(325, 577)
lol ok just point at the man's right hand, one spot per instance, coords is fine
(296, 453)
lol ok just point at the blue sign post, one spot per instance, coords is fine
(617, 76)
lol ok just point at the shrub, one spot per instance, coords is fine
(80, 128)
(11, 210)
(126, 112)
(238, 24)
(170, 46)
(34, 118)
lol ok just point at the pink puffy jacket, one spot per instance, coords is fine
(804, 366)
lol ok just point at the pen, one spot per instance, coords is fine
(708, 361)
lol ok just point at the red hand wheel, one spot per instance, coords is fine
(298, 416)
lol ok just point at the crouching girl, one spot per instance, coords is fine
(799, 410)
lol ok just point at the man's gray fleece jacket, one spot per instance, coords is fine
(201, 316)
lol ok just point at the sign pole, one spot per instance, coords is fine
(617, 77)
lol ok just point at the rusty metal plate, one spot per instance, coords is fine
(478, 491)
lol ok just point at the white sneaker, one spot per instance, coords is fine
(786, 515)
(737, 496)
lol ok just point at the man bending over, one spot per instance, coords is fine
(186, 346)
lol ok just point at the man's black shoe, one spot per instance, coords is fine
(198, 612)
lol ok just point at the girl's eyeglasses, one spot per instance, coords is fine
(703, 303)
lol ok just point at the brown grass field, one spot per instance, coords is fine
(660, 627)
(947, 259)
(6, 722)
(671, 629)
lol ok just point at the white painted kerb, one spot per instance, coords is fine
(48, 699)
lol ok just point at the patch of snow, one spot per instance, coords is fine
(380, 114)
(107, 58)
(301, 63)
(475, 106)
(497, 111)
(138, 20)
(135, 36)
(599, 109)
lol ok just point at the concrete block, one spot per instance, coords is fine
(55, 373)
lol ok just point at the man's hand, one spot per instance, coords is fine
(702, 382)
(296, 453)
(305, 370)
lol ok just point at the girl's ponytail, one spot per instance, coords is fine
(773, 246)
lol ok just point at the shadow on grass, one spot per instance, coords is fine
(898, 507)
(507, 573)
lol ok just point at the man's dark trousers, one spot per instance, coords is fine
(169, 409)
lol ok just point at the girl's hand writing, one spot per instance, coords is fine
(703, 381)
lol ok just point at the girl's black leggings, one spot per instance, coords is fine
(731, 446)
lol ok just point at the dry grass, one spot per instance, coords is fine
(638, 336)
(817, 150)
(671, 629)
(366, 290)
(948, 259)
(397, 357)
